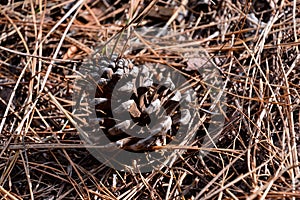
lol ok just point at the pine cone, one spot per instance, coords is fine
(137, 107)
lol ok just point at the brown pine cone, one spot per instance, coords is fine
(137, 107)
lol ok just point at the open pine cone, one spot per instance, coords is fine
(137, 107)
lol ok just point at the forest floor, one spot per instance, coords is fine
(254, 47)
